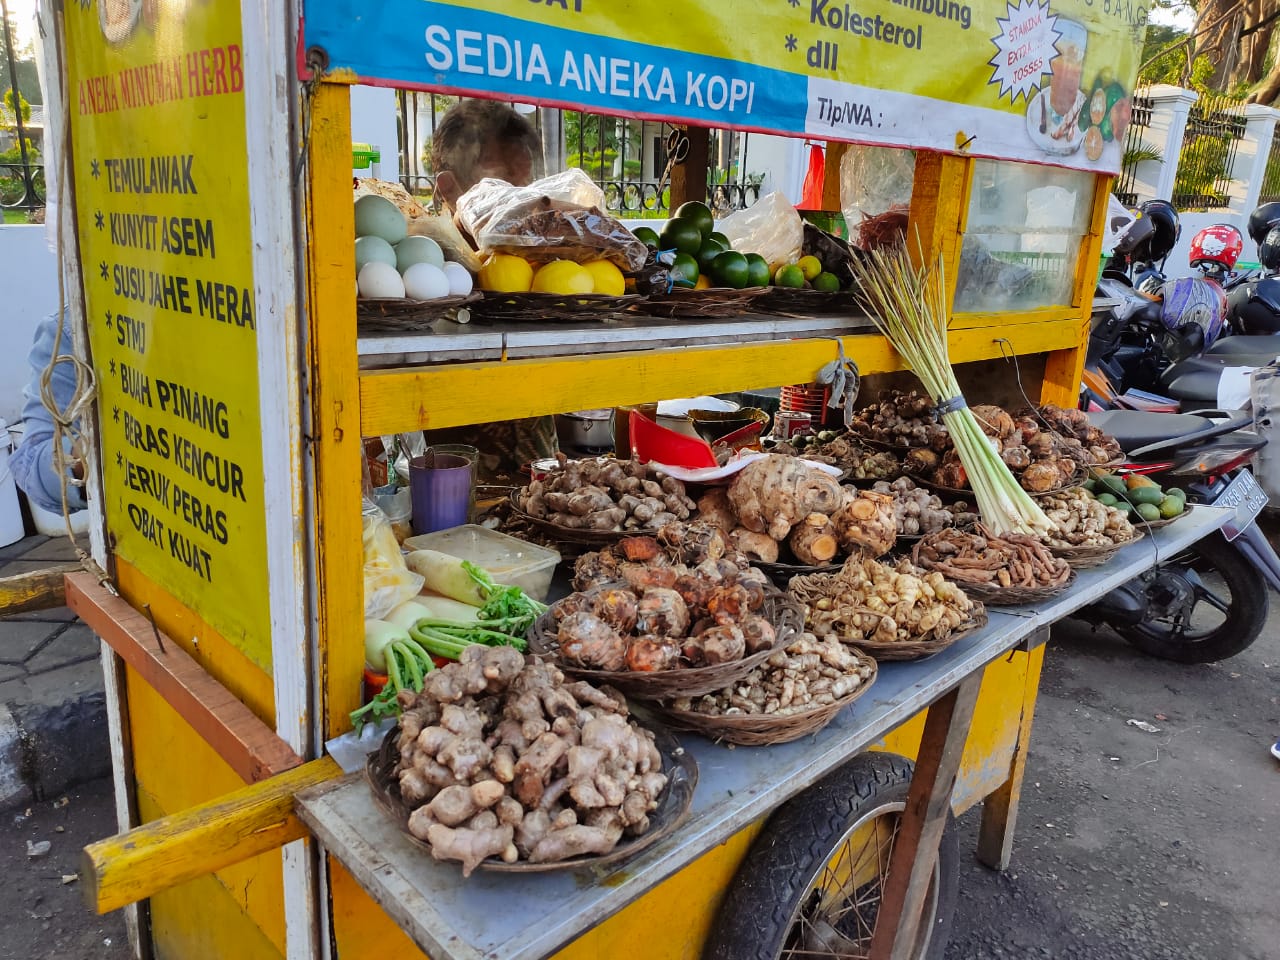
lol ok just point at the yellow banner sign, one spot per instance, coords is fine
(1038, 80)
(162, 202)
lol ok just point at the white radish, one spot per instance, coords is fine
(444, 574)
(378, 635)
(409, 613)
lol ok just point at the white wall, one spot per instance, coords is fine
(1193, 223)
(373, 120)
(29, 278)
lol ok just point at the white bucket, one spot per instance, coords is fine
(11, 530)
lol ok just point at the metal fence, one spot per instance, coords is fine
(627, 158)
(1136, 148)
(21, 171)
(1271, 177)
(1215, 126)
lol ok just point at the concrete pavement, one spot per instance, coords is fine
(53, 727)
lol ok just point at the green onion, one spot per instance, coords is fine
(909, 306)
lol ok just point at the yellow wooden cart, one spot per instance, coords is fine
(209, 187)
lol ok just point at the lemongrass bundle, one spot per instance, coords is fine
(909, 306)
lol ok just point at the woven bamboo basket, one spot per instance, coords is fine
(673, 805)
(994, 595)
(401, 315)
(712, 303)
(541, 307)
(783, 613)
(1160, 524)
(967, 492)
(1083, 558)
(805, 302)
(919, 649)
(592, 539)
(781, 573)
(760, 730)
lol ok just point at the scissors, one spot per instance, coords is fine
(677, 150)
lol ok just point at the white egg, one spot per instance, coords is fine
(378, 217)
(369, 249)
(413, 250)
(460, 281)
(379, 280)
(425, 281)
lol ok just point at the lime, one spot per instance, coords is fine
(789, 275)
(1171, 507)
(698, 213)
(606, 277)
(810, 266)
(1148, 511)
(648, 236)
(682, 235)
(684, 272)
(720, 238)
(1108, 499)
(709, 250)
(757, 271)
(826, 282)
(730, 269)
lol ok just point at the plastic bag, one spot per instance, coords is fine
(387, 581)
(555, 218)
(875, 194)
(770, 227)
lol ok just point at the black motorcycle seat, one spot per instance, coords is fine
(1259, 343)
(1212, 365)
(1195, 386)
(1137, 428)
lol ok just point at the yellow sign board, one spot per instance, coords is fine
(1038, 80)
(157, 120)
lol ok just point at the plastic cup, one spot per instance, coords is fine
(472, 456)
(441, 487)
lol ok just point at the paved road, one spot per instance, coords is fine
(1134, 845)
(1131, 845)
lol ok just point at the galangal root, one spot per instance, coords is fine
(809, 674)
(867, 600)
(499, 757)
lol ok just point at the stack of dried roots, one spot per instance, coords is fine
(662, 615)
(870, 601)
(780, 499)
(499, 757)
(1081, 521)
(808, 675)
(843, 450)
(606, 495)
(983, 560)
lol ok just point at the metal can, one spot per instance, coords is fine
(791, 423)
(541, 469)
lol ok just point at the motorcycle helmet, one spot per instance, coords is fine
(1263, 219)
(1167, 228)
(1215, 249)
(1269, 250)
(1136, 236)
(1193, 313)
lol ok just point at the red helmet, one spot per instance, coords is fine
(1216, 248)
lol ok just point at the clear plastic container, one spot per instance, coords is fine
(510, 561)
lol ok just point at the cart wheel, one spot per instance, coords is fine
(810, 884)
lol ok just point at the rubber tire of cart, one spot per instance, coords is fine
(1244, 621)
(764, 899)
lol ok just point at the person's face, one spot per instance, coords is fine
(498, 160)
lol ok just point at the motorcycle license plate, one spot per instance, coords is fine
(1248, 499)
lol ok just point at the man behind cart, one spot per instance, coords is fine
(474, 140)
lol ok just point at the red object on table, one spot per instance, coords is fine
(652, 441)
(811, 195)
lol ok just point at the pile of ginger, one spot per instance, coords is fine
(499, 757)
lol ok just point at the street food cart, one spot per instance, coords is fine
(208, 228)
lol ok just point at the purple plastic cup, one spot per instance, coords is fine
(440, 487)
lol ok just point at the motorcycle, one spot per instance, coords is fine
(1209, 602)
